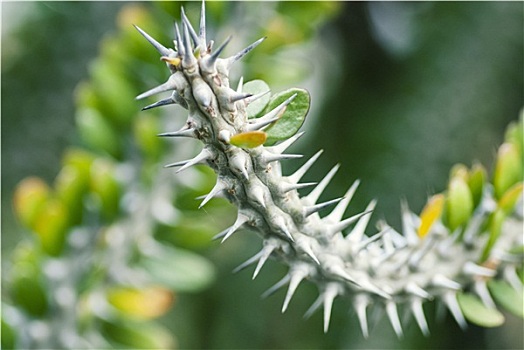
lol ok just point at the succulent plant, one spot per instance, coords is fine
(462, 246)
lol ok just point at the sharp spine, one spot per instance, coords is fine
(241, 220)
(219, 187)
(341, 226)
(439, 280)
(296, 276)
(330, 294)
(179, 39)
(259, 124)
(164, 51)
(248, 262)
(275, 113)
(308, 210)
(482, 291)
(362, 245)
(418, 312)
(234, 97)
(291, 187)
(266, 253)
(414, 289)
(192, 32)
(244, 52)
(271, 157)
(184, 132)
(473, 269)
(202, 29)
(408, 227)
(188, 59)
(240, 85)
(276, 286)
(317, 191)
(337, 213)
(281, 147)
(253, 98)
(450, 299)
(297, 175)
(391, 311)
(358, 231)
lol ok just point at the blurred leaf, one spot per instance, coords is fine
(459, 202)
(146, 128)
(146, 303)
(178, 269)
(137, 335)
(511, 299)
(51, 226)
(431, 212)
(106, 187)
(495, 227)
(250, 139)
(97, 132)
(8, 339)
(29, 199)
(293, 116)
(509, 199)
(476, 181)
(255, 108)
(508, 169)
(515, 134)
(70, 186)
(476, 312)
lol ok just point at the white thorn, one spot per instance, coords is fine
(266, 253)
(259, 124)
(338, 227)
(249, 262)
(337, 213)
(482, 291)
(253, 98)
(408, 227)
(450, 299)
(200, 158)
(219, 187)
(361, 304)
(281, 147)
(159, 47)
(414, 289)
(510, 275)
(308, 210)
(240, 85)
(420, 253)
(473, 269)
(317, 191)
(257, 194)
(418, 312)
(171, 84)
(243, 52)
(368, 241)
(238, 163)
(276, 287)
(442, 281)
(289, 187)
(357, 233)
(297, 175)
(304, 243)
(191, 31)
(277, 111)
(296, 276)
(235, 96)
(241, 219)
(329, 295)
(314, 307)
(271, 157)
(202, 31)
(391, 310)
(184, 132)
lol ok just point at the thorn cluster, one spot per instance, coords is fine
(386, 270)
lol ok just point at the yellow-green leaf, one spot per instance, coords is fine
(510, 299)
(476, 181)
(51, 226)
(508, 169)
(431, 212)
(146, 303)
(459, 202)
(495, 227)
(30, 197)
(250, 139)
(508, 200)
(476, 312)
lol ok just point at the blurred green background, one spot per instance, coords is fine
(401, 91)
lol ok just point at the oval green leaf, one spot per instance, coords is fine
(255, 108)
(293, 117)
(509, 298)
(476, 312)
(178, 269)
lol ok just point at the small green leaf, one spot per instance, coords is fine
(476, 312)
(508, 169)
(293, 117)
(476, 181)
(254, 87)
(178, 269)
(509, 298)
(459, 202)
